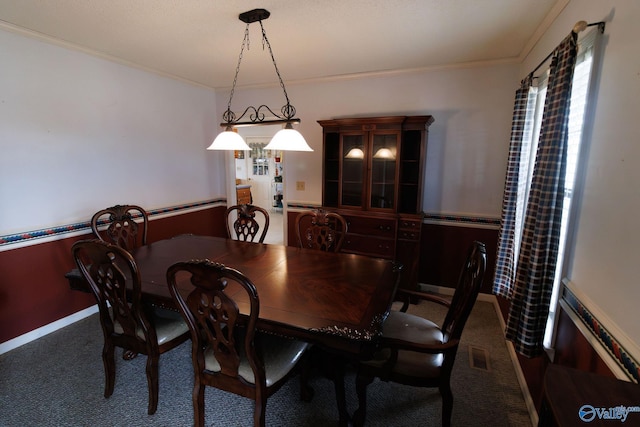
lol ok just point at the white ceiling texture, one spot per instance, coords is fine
(199, 40)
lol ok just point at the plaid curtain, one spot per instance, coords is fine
(535, 270)
(521, 132)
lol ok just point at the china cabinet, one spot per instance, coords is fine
(373, 170)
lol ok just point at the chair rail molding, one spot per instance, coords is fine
(612, 344)
(26, 238)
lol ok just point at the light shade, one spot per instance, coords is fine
(288, 139)
(229, 140)
(384, 153)
(355, 153)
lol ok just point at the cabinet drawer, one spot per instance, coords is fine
(365, 245)
(409, 229)
(243, 195)
(409, 224)
(412, 235)
(379, 227)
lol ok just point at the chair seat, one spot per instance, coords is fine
(114, 279)
(415, 351)
(226, 345)
(168, 325)
(407, 327)
(280, 356)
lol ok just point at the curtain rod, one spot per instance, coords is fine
(578, 27)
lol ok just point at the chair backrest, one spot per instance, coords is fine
(245, 225)
(319, 229)
(214, 320)
(466, 293)
(114, 279)
(122, 229)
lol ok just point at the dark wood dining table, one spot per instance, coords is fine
(335, 300)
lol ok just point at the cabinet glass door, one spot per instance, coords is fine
(383, 170)
(353, 161)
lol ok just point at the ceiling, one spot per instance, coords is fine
(199, 40)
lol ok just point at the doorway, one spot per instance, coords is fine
(263, 170)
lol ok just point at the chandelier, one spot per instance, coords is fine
(286, 139)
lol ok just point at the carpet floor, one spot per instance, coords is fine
(58, 380)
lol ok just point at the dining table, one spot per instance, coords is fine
(335, 300)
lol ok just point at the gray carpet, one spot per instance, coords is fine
(58, 380)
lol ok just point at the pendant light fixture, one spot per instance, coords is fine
(287, 139)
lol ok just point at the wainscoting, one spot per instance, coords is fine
(615, 354)
(582, 342)
(444, 246)
(34, 291)
(444, 243)
(35, 296)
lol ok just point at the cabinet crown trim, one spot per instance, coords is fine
(399, 120)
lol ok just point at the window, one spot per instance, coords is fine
(579, 97)
(259, 159)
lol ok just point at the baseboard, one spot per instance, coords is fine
(441, 290)
(528, 400)
(47, 329)
(531, 407)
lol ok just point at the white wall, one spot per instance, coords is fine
(606, 249)
(78, 133)
(468, 141)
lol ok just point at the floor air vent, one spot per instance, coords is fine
(479, 358)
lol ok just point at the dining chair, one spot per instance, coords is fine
(114, 279)
(319, 229)
(122, 228)
(417, 352)
(227, 351)
(245, 225)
